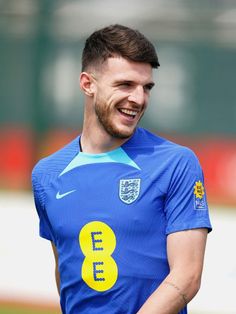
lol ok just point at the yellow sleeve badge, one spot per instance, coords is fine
(199, 193)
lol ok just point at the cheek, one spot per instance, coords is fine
(146, 101)
(110, 98)
(103, 98)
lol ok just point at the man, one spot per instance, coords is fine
(125, 210)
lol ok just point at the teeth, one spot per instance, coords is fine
(129, 112)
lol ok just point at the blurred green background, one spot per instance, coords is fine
(194, 101)
(41, 109)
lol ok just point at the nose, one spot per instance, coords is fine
(137, 95)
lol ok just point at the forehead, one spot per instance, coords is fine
(118, 68)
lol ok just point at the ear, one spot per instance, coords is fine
(87, 84)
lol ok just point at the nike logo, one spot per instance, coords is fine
(59, 196)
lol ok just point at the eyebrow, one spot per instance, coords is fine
(150, 84)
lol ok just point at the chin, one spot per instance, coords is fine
(122, 134)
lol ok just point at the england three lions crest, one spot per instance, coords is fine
(129, 190)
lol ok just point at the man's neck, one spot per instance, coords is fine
(99, 143)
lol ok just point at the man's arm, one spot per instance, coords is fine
(185, 251)
(57, 275)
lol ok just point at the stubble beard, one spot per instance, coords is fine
(103, 115)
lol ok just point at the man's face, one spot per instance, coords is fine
(122, 93)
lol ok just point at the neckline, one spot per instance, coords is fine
(128, 142)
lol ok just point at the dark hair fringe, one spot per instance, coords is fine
(118, 40)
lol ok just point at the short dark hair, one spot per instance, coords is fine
(118, 40)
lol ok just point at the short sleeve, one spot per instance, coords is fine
(45, 230)
(186, 202)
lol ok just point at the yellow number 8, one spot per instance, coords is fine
(98, 241)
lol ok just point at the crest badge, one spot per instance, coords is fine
(129, 190)
(199, 193)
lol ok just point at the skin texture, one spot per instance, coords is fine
(116, 97)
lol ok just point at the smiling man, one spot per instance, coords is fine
(124, 209)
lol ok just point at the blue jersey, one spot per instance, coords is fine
(109, 216)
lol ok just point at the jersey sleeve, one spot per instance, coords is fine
(186, 202)
(45, 230)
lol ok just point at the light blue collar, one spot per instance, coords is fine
(117, 155)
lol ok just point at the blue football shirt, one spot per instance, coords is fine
(109, 216)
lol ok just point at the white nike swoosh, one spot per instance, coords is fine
(59, 196)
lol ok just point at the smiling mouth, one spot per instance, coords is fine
(128, 112)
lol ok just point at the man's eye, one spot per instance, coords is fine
(148, 87)
(125, 84)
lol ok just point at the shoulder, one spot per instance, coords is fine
(53, 164)
(154, 152)
(145, 138)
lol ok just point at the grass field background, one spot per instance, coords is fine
(8, 309)
(21, 308)
(27, 284)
